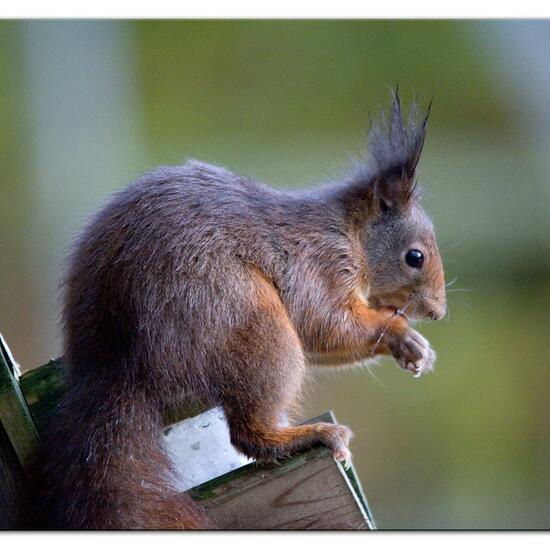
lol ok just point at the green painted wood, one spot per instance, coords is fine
(181, 411)
(15, 416)
(44, 386)
(360, 493)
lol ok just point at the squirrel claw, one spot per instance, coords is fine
(415, 369)
(344, 457)
(414, 354)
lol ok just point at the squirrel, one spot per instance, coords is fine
(195, 282)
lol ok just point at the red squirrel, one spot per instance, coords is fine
(195, 282)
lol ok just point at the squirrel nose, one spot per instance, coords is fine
(437, 313)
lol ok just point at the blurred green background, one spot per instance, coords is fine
(87, 106)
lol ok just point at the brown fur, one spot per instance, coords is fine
(195, 282)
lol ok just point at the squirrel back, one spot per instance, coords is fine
(196, 282)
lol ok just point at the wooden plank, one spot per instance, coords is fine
(44, 386)
(14, 413)
(350, 472)
(307, 491)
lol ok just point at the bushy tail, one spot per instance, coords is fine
(102, 466)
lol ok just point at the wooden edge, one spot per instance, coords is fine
(44, 387)
(251, 474)
(14, 413)
(360, 494)
(350, 472)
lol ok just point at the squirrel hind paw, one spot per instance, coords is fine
(343, 455)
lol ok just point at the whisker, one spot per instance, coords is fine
(451, 282)
(441, 245)
(460, 290)
(462, 304)
(373, 352)
(448, 316)
(368, 367)
(398, 312)
(403, 309)
(453, 245)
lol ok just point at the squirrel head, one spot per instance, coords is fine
(405, 271)
(405, 268)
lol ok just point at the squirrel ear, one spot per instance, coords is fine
(392, 193)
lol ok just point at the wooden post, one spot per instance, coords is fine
(18, 439)
(15, 416)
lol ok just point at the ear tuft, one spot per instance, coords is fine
(394, 148)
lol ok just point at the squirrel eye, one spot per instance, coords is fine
(414, 258)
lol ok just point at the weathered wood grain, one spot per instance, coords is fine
(310, 491)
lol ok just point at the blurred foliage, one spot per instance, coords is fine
(312, 76)
(289, 102)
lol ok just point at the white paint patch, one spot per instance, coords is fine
(201, 450)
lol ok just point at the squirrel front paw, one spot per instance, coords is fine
(413, 352)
